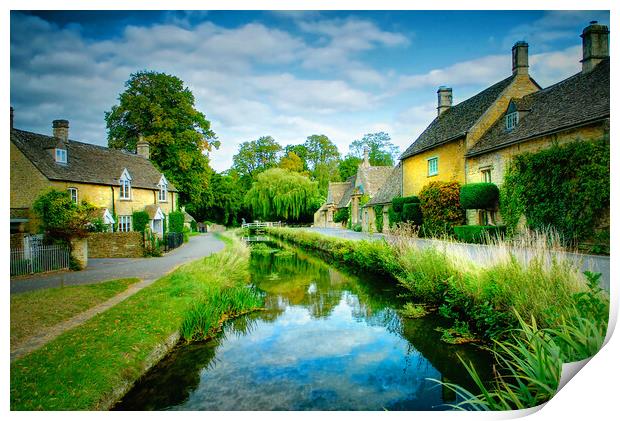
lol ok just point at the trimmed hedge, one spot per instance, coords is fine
(176, 220)
(393, 217)
(479, 196)
(140, 220)
(341, 215)
(378, 217)
(478, 233)
(441, 208)
(412, 212)
(398, 203)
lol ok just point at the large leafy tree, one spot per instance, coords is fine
(254, 157)
(292, 162)
(300, 151)
(226, 206)
(381, 150)
(159, 107)
(322, 159)
(281, 194)
(348, 166)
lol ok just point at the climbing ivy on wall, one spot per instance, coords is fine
(378, 217)
(566, 187)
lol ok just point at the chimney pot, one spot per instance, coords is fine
(61, 129)
(444, 99)
(520, 58)
(595, 45)
(143, 148)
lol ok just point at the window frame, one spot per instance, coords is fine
(72, 190)
(434, 159)
(512, 120)
(125, 223)
(162, 195)
(484, 173)
(125, 186)
(60, 155)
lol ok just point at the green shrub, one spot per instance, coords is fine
(357, 227)
(566, 187)
(341, 215)
(398, 203)
(186, 232)
(412, 212)
(479, 196)
(394, 217)
(378, 217)
(175, 221)
(441, 208)
(194, 225)
(60, 218)
(140, 220)
(478, 233)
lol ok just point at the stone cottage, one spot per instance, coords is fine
(116, 182)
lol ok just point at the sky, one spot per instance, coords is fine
(288, 75)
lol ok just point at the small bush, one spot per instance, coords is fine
(394, 217)
(341, 215)
(412, 212)
(378, 217)
(357, 227)
(398, 203)
(479, 196)
(479, 234)
(140, 220)
(186, 232)
(441, 208)
(194, 225)
(175, 221)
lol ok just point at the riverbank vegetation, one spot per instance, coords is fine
(91, 366)
(539, 314)
(35, 311)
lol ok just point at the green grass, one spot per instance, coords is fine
(33, 312)
(85, 367)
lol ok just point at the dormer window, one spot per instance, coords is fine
(125, 182)
(163, 189)
(61, 156)
(512, 120)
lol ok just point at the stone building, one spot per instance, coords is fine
(118, 183)
(388, 191)
(474, 140)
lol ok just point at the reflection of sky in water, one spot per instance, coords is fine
(329, 341)
(299, 362)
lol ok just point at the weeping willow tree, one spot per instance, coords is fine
(281, 194)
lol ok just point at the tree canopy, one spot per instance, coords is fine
(292, 162)
(256, 156)
(348, 166)
(280, 194)
(381, 150)
(159, 107)
(321, 151)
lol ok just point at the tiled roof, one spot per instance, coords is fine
(578, 100)
(390, 189)
(86, 163)
(335, 191)
(372, 178)
(346, 196)
(456, 120)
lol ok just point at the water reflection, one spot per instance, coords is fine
(327, 341)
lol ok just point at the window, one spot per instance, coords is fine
(125, 182)
(486, 175)
(163, 189)
(512, 119)
(73, 193)
(433, 166)
(124, 223)
(61, 156)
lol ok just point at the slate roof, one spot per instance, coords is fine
(86, 163)
(456, 120)
(335, 191)
(346, 196)
(372, 178)
(390, 189)
(578, 100)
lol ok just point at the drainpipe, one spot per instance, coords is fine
(113, 207)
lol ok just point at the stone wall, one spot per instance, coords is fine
(115, 244)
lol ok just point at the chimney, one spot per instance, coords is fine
(143, 148)
(11, 118)
(595, 45)
(366, 161)
(519, 58)
(61, 129)
(444, 99)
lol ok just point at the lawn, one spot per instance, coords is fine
(91, 366)
(33, 312)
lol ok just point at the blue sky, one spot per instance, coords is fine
(284, 74)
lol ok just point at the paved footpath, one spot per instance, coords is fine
(99, 270)
(483, 254)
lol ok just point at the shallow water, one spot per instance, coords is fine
(328, 341)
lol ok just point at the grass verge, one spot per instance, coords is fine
(91, 366)
(35, 311)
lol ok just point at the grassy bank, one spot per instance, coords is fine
(91, 366)
(35, 311)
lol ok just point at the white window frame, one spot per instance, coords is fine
(484, 172)
(61, 155)
(125, 186)
(73, 191)
(432, 171)
(124, 223)
(512, 119)
(163, 189)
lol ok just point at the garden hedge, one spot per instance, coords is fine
(478, 233)
(399, 202)
(378, 217)
(176, 220)
(393, 217)
(341, 215)
(412, 212)
(441, 208)
(140, 220)
(479, 196)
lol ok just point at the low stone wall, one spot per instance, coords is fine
(115, 244)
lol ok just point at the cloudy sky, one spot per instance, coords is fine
(284, 74)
